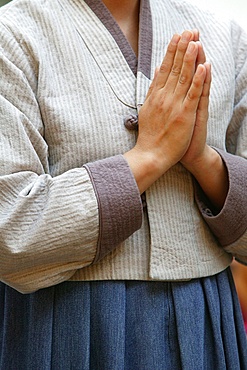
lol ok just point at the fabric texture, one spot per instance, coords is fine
(64, 98)
(124, 326)
(120, 207)
(234, 243)
(57, 118)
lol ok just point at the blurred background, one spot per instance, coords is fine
(235, 9)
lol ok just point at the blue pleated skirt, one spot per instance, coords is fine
(124, 325)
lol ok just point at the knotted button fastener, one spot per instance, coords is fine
(131, 122)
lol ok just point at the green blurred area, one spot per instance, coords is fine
(2, 2)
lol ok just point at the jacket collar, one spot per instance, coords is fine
(128, 76)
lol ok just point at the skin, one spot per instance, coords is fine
(126, 13)
(173, 118)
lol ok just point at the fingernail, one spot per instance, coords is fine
(186, 36)
(196, 33)
(175, 39)
(200, 69)
(191, 47)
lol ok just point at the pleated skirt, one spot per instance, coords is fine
(124, 325)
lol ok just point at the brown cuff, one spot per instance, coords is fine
(119, 201)
(231, 222)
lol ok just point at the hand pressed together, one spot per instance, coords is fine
(173, 120)
(168, 116)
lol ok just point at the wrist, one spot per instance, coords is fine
(211, 173)
(145, 166)
(204, 163)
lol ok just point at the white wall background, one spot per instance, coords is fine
(236, 9)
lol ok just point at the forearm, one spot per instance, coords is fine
(229, 225)
(211, 174)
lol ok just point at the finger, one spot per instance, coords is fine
(174, 75)
(193, 96)
(188, 71)
(201, 58)
(204, 100)
(167, 62)
(196, 34)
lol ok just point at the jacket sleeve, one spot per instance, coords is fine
(51, 226)
(230, 225)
